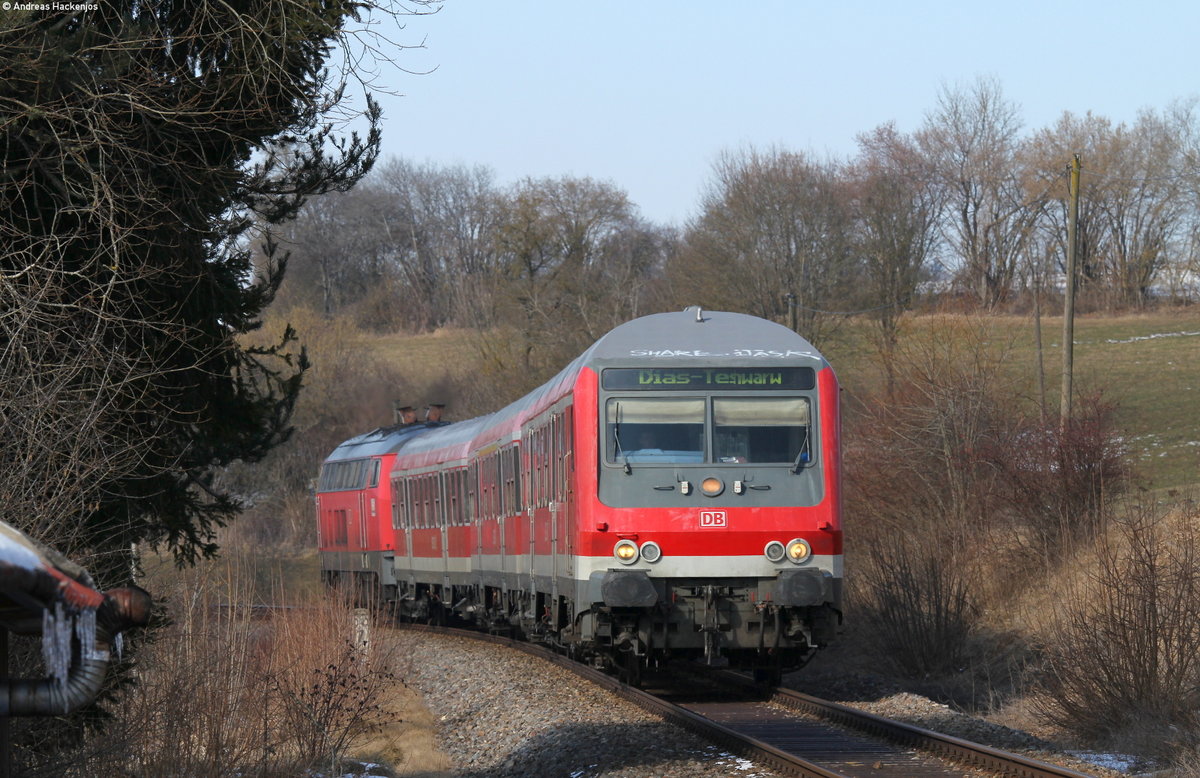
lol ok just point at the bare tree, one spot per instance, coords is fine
(897, 205)
(972, 139)
(572, 254)
(772, 223)
(1135, 210)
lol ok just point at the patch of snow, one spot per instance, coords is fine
(1154, 336)
(16, 551)
(1120, 762)
(739, 763)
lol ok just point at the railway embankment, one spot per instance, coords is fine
(500, 712)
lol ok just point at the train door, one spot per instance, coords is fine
(556, 469)
(405, 489)
(442, 512)
(475, 517)
(373, 538)
(568, 491)
(532, 546)
(497, 509)
(362, 521)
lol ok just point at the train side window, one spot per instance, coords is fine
(559, 455)
(439, 505)
(431, 501)
(419, 523)
(762, 430)
(398, 501)
(502, 506)
(375, 464)
(569, 436)
(502, 482)
(498, 485)
(543, 467)
(472, 484)
(460, 483)
(536, 465)
(516, 471)
(485, 488)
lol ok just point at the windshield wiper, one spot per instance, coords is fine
(802, 457)
(617, 439)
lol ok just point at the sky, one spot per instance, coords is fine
(646, 95)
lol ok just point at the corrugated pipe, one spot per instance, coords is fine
(121, 609)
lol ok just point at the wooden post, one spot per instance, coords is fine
(1069, 299)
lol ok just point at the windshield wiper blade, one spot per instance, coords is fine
(802, 457)
(621, 452)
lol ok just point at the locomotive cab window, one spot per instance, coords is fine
(761, 430)
(655, 430)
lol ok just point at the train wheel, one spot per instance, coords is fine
(631, 670)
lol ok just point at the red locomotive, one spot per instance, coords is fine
(673, 492)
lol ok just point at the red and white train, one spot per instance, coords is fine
(673, 492)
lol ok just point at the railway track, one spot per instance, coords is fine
(793, 733)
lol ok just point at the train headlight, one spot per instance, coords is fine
(712, 486)
(799, 551)
(626, 552)
(651, 552)
(774, 551)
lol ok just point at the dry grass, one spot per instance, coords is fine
(224, 691)
(1148, 365)
(1122, 657)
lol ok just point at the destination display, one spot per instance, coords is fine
(721, 378)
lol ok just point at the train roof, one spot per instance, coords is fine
(379, 441)
(690, 336)
(694, 335)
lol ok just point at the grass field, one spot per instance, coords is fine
(1148, 365)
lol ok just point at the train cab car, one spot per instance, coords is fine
(712, 528)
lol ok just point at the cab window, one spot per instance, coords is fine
(655, 430)
(761, 429)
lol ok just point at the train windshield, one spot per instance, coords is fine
(760, 429)
(772, 430)
(661, 430)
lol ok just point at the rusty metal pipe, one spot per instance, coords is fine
(121, 609)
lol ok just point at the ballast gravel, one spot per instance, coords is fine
(505, 714)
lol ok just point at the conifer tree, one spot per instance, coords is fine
(141, 141)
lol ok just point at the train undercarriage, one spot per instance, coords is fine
(633, 627)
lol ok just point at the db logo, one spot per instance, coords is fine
(710, 519)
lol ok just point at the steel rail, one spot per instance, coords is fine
(942, 746)
(947, 746)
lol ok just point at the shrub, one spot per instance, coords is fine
(919, 605)
(1059, 480)
(1123, 665)
(225, 691)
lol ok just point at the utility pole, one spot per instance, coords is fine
(791, 303)
(1069, 298)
